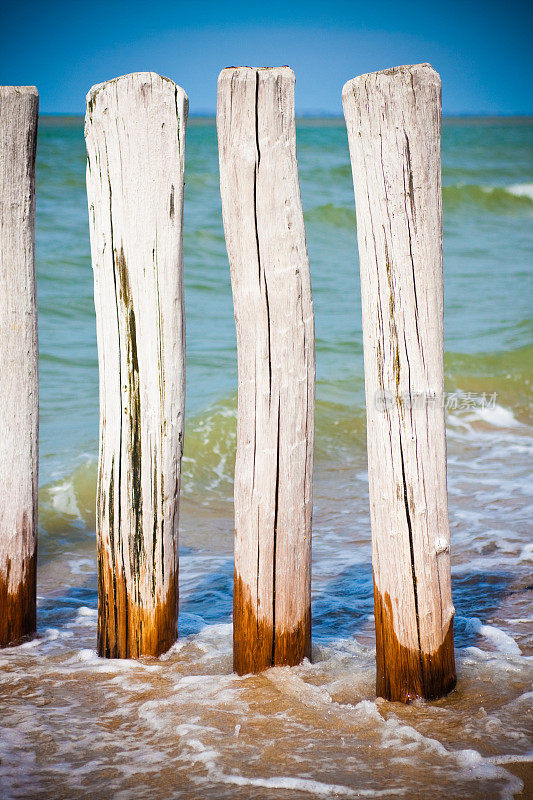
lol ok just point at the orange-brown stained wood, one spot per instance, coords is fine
(291, 647)
(403, 674)
(252, 639)
(18, 608)
(125, 628)
(253, 647)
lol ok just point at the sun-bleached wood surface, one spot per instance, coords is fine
(135, 133)
(265, 239)
(394, 124)
(19, 382)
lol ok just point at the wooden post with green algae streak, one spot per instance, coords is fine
(135, 133)
(19, 381)
(394, 124)
(265, 239)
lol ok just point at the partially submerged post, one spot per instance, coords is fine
(265, 239)
(135, 132)
(19, 382)
(394, 123)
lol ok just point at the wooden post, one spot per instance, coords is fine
(394, 121)
(265, 239)
(19, 382)
(135, 133)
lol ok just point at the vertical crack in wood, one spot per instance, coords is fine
(103, 615)
(153, 467)
(171, 203)
(176, 104)
(257, 117)
(255, 433)
(256, 169)
(261, 271)
(409, 191)
(306, 362)
(410, 401)
(392, 313)
(275, 531)
(411, 551)
(133, 401)
(161, 377)
(267, 304)
(257, 599)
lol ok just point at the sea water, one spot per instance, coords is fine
(76, 726)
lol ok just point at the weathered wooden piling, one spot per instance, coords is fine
(19, 382)
(394, 123)
(265, 239)
(135, 132)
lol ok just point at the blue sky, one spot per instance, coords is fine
(481, 49)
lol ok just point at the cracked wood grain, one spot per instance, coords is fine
(135, 134)
(394, 124)
(19, 383)
(265, 239)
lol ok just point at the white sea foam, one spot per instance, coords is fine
(521, 189)
(527, 758)
(315, 788)
(84, 611)
(526, 553)
(196, 752)
(503, 642)
(516, 189)
(64, 499)
(81, 566)
(498, 416)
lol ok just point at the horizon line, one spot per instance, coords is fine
(328, 115)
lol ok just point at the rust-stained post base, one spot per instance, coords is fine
(19, 381)
(18, 607)
(255, 646)
(125, 628)
(394, 124)
(402, 674)
(135, 132)
(265, 239)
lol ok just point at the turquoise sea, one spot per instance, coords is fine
(75, 726)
